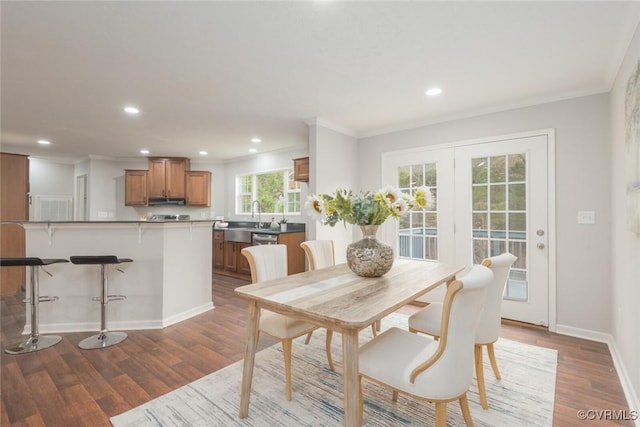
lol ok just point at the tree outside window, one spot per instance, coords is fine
(276, 191)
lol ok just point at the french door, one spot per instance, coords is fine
(490, 197)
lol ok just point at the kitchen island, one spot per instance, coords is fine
(168, 281)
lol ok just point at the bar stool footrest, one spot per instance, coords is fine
(34, 344)
(102, 340)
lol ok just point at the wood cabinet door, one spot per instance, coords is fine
(301, 169)
(175, 177)
(295, 254)
(135, 187)
(243, 262)
(157, 178)
(218, 250)
(198, 187)
(14, 206)
(230, 257)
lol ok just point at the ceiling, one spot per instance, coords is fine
(212, 75)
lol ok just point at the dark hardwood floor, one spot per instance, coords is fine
(67, 386)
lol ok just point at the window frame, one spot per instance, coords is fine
(282, 204)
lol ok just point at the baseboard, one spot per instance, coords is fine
(627, 386)
(179, 317)
(59, 328)
(583, 333)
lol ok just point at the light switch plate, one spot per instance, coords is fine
(586, 217)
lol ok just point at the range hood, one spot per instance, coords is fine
(155, 201)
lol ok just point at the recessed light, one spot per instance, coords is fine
(253, 150)
(43, 142)
(434, 91)
(203, 153)
(256, 140)
(131, 110)
(144, 151)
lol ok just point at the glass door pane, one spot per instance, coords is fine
(418, 231)
(499, 215)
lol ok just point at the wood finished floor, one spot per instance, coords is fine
(67, 386)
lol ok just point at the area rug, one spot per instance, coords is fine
(524, 396)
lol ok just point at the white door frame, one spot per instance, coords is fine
(82, 198)
(388, 233)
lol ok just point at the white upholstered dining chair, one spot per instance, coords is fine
(270, 262)
(436, 371)
(428, 319)
(321, 254)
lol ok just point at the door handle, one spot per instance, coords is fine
(540, 246)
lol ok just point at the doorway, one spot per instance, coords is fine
(491, 196)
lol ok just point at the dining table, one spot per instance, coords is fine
(341, 301)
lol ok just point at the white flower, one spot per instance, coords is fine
(391, 196)
(423, 197)
(399, 208)
(316, 208)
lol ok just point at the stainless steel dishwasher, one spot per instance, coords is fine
(264, 239)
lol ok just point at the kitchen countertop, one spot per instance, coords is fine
(235, 225)
(108, 222)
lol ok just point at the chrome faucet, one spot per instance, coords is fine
(259, 213)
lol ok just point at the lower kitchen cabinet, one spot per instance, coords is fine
(228, 258)
(218, 250)
(234, 260)
(295, 254)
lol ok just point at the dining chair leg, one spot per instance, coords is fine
(464, 406)
(328, 349)
(286, 349)
(360, 401)
(480, 376)
(492, 359)
(306, 341)
(441, 414)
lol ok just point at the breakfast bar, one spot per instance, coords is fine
(168, 281)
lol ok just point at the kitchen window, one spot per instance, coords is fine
(276, 191)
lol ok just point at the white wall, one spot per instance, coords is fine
(333, 165)
(49, 178)
(583, 176)
(625, 255)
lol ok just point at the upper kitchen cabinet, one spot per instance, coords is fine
(198, 188)
(301, 169)
(135, 187)
(167, 176)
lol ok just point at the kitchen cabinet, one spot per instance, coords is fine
(167, 176)
(218, 250)
(301, 169)
(234, 260)
(14, 206)
(135, 187)
(198, 188)
(295, 254)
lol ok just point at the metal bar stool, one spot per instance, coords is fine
(35, 341)
(105, 338)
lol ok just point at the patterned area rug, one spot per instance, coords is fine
(524, 396)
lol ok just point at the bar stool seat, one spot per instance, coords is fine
(35, 341)
(104, 338)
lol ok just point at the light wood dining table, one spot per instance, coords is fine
(337, 299)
